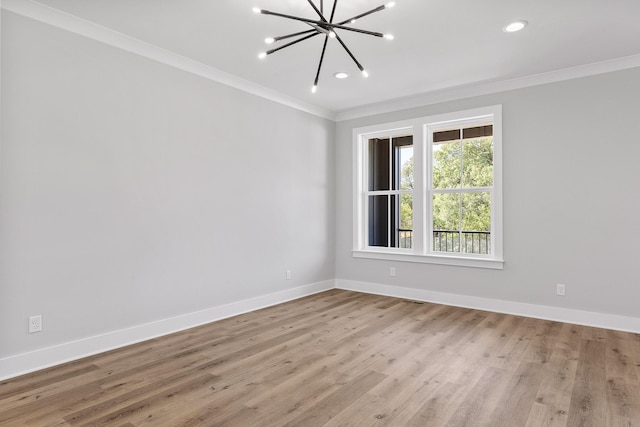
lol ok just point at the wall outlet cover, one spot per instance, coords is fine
(35, 324)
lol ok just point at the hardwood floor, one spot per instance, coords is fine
(343, 358)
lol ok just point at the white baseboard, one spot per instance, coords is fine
(578, 317)
(24, 363)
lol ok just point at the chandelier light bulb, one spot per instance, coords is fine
(389, 36)
(314, 88)
(353, 21)
(262, 55)
(269, 40)
(256, 10)
(390, 4)
(365, 73)
(514, 26)
(332, 34)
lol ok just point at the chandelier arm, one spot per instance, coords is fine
(296, 18)
(301, 33)
(313, 5)
(269, 52)
(324, 48)
(333, 10)
(362, 15)
(321, 23)
(355, 30)
(360, 67)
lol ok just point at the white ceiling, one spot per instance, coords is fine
(439, 44)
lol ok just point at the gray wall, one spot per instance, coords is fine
(571, 199)
(132, 192)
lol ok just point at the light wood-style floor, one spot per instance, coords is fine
(343, 358)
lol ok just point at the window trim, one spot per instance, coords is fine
(422, 251)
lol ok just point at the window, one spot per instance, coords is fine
(430, 190)
(390, 191)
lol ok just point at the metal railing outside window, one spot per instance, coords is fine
(470, 242)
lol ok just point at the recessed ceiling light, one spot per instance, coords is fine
(341, 75)
(514, 26)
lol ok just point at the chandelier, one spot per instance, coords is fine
(325, 27)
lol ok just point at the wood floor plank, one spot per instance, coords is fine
(483, 399)
(367, 410)
(588, 400)
(542, 343)
(54, 375)
(222, 403)
(337, 401)
(519, 395)
(621, 359)
(407, 386)
(146, 407)
(439, 407)
(277, 406)
(551, 407)
(623, 401)
(516, 347)
(113, 398)
(341, 358)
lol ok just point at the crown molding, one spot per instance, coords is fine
(51, 16)
(48, 15)
(461, 92)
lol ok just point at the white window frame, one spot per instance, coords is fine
(422, 251)
(396, 133)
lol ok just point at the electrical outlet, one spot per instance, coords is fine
(392, 272)
(288, 274)
(35, 324)
(560, 289)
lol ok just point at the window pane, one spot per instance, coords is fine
(446, 135)
(379, 221)
(477, 131)
(446, 165)
(446, 222)
(405, 229)
(403, 163)
(391, 228)
(476, 223)
(379, 173)
(477, 162)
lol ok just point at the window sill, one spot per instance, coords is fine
(460, 261)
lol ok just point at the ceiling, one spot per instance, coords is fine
(439, 44)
